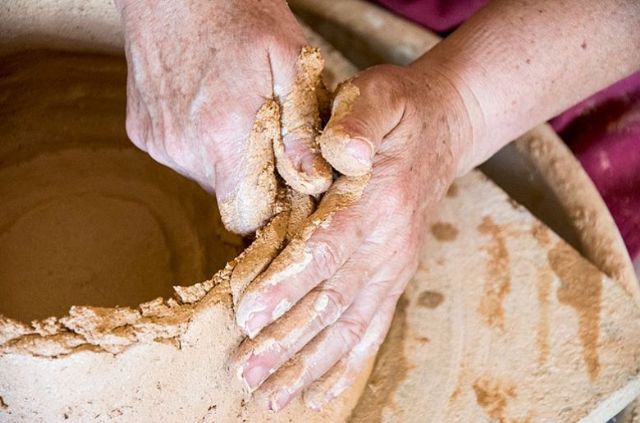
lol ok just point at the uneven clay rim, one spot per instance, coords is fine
(114, 329)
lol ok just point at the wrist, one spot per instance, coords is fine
(463, 115)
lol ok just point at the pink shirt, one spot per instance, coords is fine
(603, 131)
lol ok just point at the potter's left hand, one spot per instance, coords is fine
(321, 310)
(504, 71)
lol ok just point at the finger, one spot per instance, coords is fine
(362, 114)
(302, 206)
(277, 343)
(345, 372)
(247, 199)
(266, 246)
(326, 349)
(327, 240)
(269, 241)
(298, 158)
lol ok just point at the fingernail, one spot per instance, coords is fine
(256, 322)
(278, 401)
(360, 149)
(254, 376)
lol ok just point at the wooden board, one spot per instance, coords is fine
(504, 322)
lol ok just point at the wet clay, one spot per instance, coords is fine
(335, 135)
(301, 122)
(87, 222)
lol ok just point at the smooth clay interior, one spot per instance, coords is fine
(86, 218)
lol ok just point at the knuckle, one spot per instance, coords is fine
(358, 125)
(174, 150)
(332, 303)
(136, 131)
(351, 331)
(327, 257)
(382, 80)
(392, 204)
(309, 375)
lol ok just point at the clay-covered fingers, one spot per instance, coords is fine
(345, 372)
(329, 237)
(283, 137)
(298, 157)
(328, 347)
(363, 113)
(247, 194)
(258, 358)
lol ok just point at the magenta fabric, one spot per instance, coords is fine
(603, 131)
(437, 15)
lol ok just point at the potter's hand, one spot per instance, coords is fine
(511, 67)
(336, 287)
(202, 75)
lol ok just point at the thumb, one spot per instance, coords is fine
(363, 113)
(298, 158)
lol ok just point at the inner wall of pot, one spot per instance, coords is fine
(86, 218)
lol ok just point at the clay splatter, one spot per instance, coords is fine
(541, 234)
(453, 190)
(545, 278)
(443, 231)
(390, 369)
(581, 289)
(493, 396)
(497, 279)
(3, 405)
(430, 299)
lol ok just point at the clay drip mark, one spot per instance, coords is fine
(497, 279)
(430, 299)
(390, 370)
(581, 288)
(3, 405)
(443, 231)
(494, 396)
(544, 290)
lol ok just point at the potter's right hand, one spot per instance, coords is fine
(202, 75)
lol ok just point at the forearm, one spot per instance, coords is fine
(519, 63)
